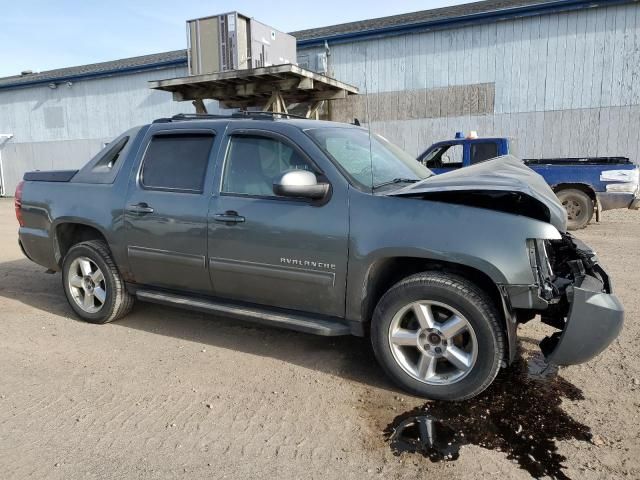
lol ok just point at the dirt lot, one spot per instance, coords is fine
(166, 393)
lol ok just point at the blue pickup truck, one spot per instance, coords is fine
(584, 185)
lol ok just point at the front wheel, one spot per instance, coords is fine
(438, 336)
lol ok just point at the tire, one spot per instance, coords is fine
(93, 286)
(456, 304)
(579, 207)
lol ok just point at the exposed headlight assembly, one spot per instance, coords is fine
(541, 266)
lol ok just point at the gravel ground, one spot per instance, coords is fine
(166, 393)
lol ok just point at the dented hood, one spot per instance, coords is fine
(503, 183)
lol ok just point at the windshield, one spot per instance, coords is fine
(352, 150)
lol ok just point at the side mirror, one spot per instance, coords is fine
(301, 184)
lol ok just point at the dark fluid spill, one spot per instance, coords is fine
(519, 414)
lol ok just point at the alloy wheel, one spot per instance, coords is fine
(87, 284)
(433, 342)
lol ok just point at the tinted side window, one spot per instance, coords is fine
(254, 162)
(177, 162)
(483, 151)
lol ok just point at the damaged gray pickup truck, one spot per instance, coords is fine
(323, 228)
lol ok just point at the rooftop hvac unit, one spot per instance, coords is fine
(232, 41)
(317, 62)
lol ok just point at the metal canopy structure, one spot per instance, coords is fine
(273, 88)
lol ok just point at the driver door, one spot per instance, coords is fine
(265, 249)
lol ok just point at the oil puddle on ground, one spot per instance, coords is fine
(519, 415)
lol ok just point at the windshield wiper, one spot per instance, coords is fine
(397, 180)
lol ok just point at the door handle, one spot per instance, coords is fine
(140, 208)
(228, 217)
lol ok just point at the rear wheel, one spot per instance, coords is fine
(579, 207)
(438, 336)
(93, 286)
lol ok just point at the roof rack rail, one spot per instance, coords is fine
(262, 113)
(198, 116)
(189, 116)
(210, 116)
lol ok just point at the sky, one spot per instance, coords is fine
(42, 35)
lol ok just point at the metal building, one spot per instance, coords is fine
(61, 118)
(561, 77)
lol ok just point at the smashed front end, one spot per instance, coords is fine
(579, 300)
(570, 289)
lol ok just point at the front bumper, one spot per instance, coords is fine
(595, 319)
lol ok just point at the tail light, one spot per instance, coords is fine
(18, 203)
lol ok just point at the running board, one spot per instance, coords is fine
(294, 321)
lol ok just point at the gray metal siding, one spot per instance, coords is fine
(559, 84)
(565, 84)
(63, 128)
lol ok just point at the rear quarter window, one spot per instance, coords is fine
(110, 159)
(103, 168)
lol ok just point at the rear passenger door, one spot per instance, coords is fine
(166, 210)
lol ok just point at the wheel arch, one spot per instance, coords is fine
(387, 272)
(584, 187)
(69, 233)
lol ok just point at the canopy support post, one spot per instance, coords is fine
(199, 105)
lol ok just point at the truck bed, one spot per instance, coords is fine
(578, 161)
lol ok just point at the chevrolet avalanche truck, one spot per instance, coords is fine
(328, 229)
